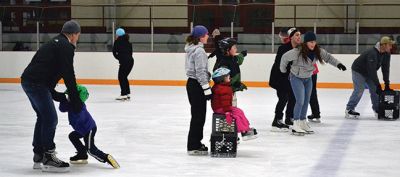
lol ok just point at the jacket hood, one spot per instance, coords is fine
(191, 48)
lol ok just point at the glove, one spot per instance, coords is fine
(77, 106)
(341, 67)
(379, 89)
(207, 91)
(244, 53)
(387, 87)
(239, 87)
(58, 96)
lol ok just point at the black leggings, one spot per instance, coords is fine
(124, 69)
(198, 108)
(89, 144)
(314, 98)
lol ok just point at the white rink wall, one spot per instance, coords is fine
(170, 66)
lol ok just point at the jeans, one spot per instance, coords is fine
(359, 82)
(302, 88)
(198, 109)
(89, 146)
(46, 121)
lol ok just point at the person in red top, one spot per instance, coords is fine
(221, 103)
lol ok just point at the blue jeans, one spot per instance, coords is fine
(359, 82)
(302, 88)
(46, 121)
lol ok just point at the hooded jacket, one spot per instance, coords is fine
(81, 122)
(370, 61)
(301, 68)
(196, 63)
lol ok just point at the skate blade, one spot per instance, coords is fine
(314, 121)
(276, 129)
(37, 165)
(52, 169)
(247, 138)
(298, 133)
(197, 153)
(113, 162)
(309, 132)
(351, 117)
(79, 162)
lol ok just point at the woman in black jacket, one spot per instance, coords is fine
(122, 51)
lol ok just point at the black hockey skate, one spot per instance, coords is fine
(37, 161)
(289, 121)
(351, 114)
(278, 126)
(202, 151)
(79, 158)
(249, 135)
(314, 118)
(52, 164)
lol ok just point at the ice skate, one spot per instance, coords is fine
(304, 125)
(351, 114)
(110, 160)
(79, 158)
(278, 126)
(289, 121)
(202, 151)
(52, 164)
(296, 129)
(37, 161)
(314, 118)
(249, 135)
(123, 98)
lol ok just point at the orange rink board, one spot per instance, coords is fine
(183, 83)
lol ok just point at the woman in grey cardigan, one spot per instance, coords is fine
(303, 59)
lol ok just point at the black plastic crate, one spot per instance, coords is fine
(223, 145)
(219, 124)
(389, 105)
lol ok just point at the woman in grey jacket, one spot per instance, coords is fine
(304, 57)
(197, 87)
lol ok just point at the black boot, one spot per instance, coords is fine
(79, 158)
(52, 164)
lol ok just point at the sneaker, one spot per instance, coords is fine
(37, 161)
(79, 158)
(296, 129)
(304, 125)
(202, 151)
(123, 98)
(52, 164)
(249, 135)
(278, 126)
(351, 114)
(289, 121)
(110, 160)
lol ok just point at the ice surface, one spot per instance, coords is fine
(148, 137)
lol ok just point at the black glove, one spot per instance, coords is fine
(244, 53)
(77, 106)
(207, 91)
(378, 89)
(387, 87)
(58, 96)
(341, 67)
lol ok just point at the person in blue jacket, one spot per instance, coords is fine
(84, 127)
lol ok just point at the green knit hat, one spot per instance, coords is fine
(82, 91)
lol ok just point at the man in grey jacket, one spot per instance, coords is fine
(364, 71)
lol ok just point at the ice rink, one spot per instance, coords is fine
(148, 137)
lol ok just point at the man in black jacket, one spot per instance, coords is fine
(280, 82)
(364, 71)
(52, 62)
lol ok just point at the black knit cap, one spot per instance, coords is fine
(71, 27)
(292, 31)
(309, 36)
